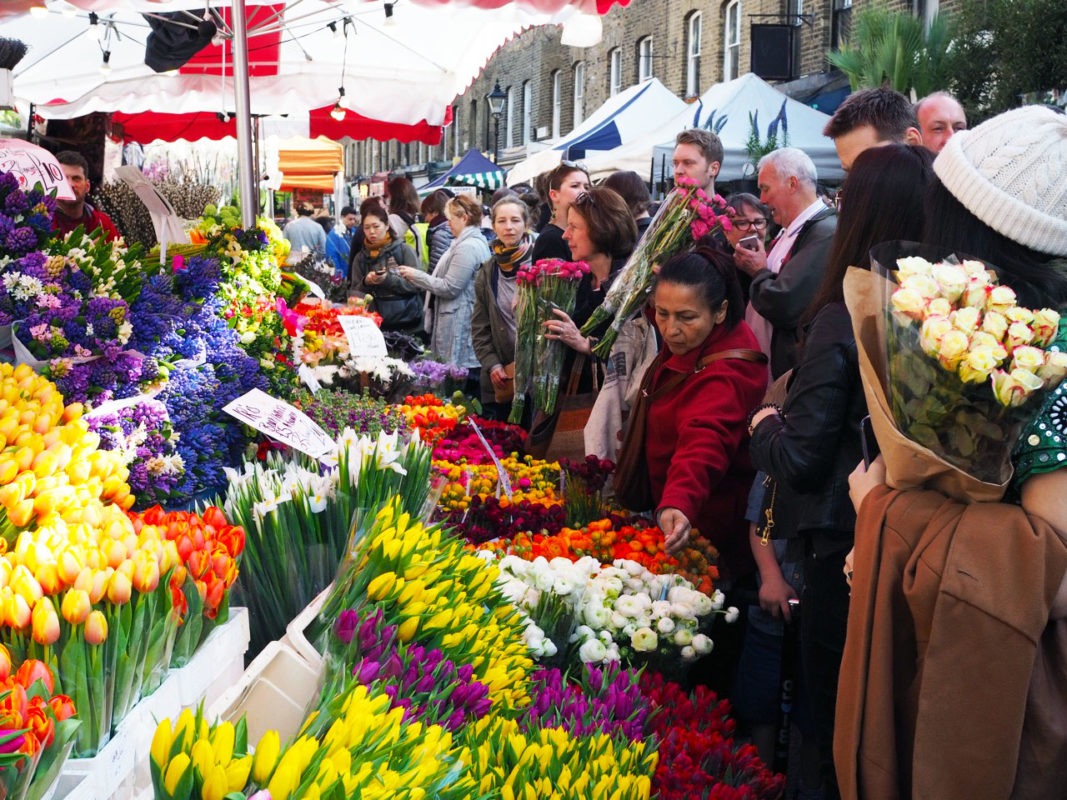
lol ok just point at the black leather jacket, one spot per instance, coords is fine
(813, 447)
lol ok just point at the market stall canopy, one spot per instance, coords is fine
(405, 68)
(473, 169)
(725, 108)
(625, 117)
(309, 163)
(149, 126)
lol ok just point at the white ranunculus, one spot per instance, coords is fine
(683, 637)
(665, 625)
(644, 640)
(619, 621)
(702, 644)
(689, 653)
(660, 608)
(732, 614)
(592, 651)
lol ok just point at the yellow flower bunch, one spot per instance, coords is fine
(191, 759)
(435, 590)
(531, 479)
(549, 762)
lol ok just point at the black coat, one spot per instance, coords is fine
(810, 450)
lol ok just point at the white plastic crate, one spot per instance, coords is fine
(109, 774)
(273, 693)
(296, 631)
(217, 664)
(73, 787)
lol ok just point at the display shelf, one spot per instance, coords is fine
(109, 774)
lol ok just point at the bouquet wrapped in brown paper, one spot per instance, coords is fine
(952, 368)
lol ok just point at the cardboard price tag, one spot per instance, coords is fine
(282, 422)
(364, 337)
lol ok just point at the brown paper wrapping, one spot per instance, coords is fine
(908, 464)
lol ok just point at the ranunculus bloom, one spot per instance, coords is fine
(644, 640)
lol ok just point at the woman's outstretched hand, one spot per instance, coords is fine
(676, 527)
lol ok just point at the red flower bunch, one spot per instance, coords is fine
(698, 757)
(430, 415)
(323, 319)
(34, 710)
(208, 548)
(534, 274)
(489, 517)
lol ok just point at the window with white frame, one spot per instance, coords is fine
(527, 112)
(731, 62)
(615, 72)
(692, 56)
(644, 59)
(557, 103)
(579, 93)
(509, 111)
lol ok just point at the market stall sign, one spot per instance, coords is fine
(364, 337)
(281, 421)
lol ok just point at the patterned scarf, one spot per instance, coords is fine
(508, 258)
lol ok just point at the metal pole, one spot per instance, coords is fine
(496, 139)
(246, 179)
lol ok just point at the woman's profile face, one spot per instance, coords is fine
(457, 219)
(683, 316)
(577, 236)
(375, 229)
(574, 183)
(509, 223)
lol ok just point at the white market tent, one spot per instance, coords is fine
(729, 105)
(627, 116)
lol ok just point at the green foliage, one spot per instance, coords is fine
(891, 48)
(1005, 52)
(777, 136)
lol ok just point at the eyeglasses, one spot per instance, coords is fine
(743, 224)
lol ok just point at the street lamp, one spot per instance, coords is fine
(496, 99)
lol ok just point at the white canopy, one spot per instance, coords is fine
(627, 116)
(725, 108)
(405, 69)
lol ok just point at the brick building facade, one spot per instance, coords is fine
(687, 44)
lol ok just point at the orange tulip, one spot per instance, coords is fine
(45, 622)
(96, 628)
(32, 671)
(5, 663)
(62, 707)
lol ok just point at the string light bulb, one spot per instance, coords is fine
(338, 110)
(39, 11)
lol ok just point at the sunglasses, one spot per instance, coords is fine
(564, 163)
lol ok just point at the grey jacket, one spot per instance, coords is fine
(452, 288)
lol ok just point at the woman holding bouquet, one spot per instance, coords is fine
(947, 595)
(493, 323)
(809, 446)
(565, 183)
(375, 271)
(450, 289)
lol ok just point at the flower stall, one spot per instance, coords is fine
(430, 613)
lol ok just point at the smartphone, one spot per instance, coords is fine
(868, 442)
(749, 242)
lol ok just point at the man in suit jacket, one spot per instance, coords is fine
(785, 279)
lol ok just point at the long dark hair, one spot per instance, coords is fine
(951, 226)
(881, 201)
(403, 199)
(712, 273)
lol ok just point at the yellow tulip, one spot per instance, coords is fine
(203, 757)
(237, 772)
(222, 741)
(15, 610)
(96, 628)
(47, 576)
(119, 588)
(266, 757)
(162, 739)
(76, 606)
(69, 565)
(21, 514)
(215, 784)
(176, 771)
(145, 572)
(407, 629)
(45, 622)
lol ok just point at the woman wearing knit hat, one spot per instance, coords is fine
(954, 677)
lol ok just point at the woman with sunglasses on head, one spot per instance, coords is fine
(565, 183)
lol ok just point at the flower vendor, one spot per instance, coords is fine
(986, 607)
(72, 213)
(809, 449)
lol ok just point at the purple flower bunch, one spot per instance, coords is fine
(433, 375)
(37, 281)
(64, 325)
(115, 375)
(336, 410)
(143, 434)
(25, 217)
(606, 700)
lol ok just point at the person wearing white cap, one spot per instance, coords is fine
(954, 678)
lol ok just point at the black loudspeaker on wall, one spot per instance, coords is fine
(773, 51)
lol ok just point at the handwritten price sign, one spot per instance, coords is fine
(32, 165)
(364, 337)
(281, 421)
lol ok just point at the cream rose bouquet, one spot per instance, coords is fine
(966, 363)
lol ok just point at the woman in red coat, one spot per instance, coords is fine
(696, 442)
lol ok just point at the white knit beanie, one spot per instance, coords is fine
(1011, 173)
